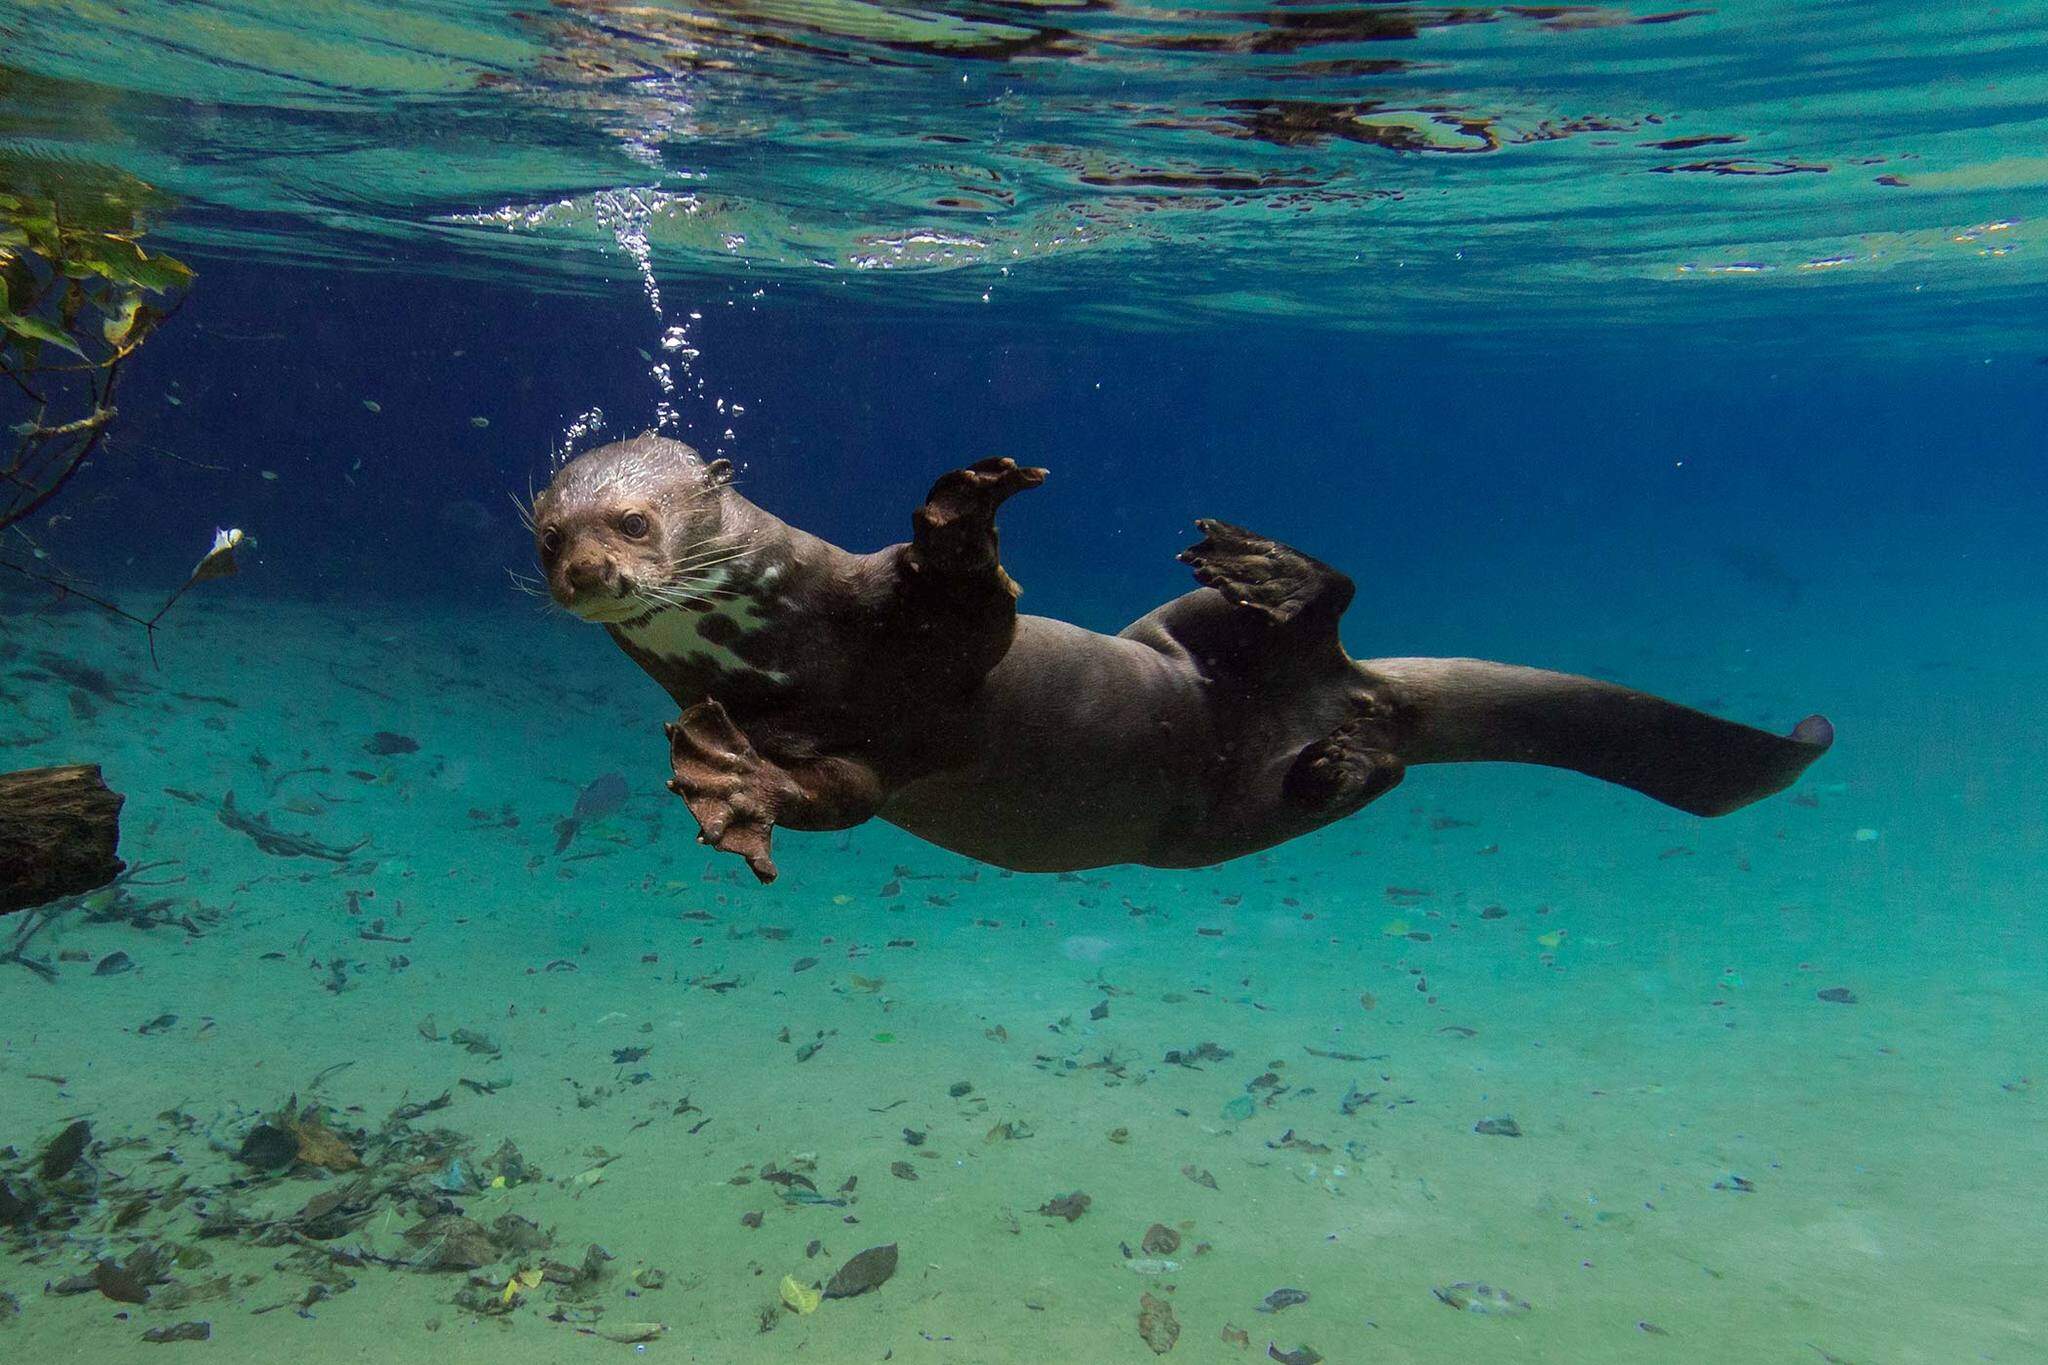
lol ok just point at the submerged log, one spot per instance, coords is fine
(58, 831)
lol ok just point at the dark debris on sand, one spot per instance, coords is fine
(134, 1218)
(871, 1269)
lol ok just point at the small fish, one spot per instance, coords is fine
(1281, 1299)
(1760, 567)
(467, 514)
(602, 797)
(795, 1196)
(1469, 1297)
(373, 405)
(1300, 1355)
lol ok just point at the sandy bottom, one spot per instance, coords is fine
(1714, 1162)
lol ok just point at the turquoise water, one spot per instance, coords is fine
(1414, 289)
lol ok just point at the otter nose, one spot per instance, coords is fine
(586, 573)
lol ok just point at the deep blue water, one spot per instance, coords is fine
(1461, 484)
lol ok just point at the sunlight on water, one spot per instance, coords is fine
(1568, 162)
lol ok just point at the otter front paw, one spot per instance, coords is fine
(955, 530)
(734, 792)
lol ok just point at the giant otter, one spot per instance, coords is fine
(821, 688)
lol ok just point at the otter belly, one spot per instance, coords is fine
(1079, 750)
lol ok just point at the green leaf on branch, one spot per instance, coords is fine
(130, 323)
(117, 327)
(123, 262)
(38, 329)
(161, 273)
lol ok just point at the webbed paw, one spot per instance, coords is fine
(1262, 575)
(1344, 771)
(955, 530)
(734, 792)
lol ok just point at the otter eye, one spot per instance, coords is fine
(633, 525)
(551, 539)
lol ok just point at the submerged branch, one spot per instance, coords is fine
(98, 418)
(219, 562)
(94, 427)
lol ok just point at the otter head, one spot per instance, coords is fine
(631, 529)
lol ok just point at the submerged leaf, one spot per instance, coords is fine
(118, 259)
(800, 1298)
(869, 1270)
(320, 1145)
(220, 560)
(39, 329)
(121, 324)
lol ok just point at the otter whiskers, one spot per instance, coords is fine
(686, 594)
(532, 587)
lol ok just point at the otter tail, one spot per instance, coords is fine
(1469, 711)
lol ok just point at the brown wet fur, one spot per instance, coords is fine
(904, 685)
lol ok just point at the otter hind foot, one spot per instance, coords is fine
(1342, 772)
(1274, 580)
(955, 530)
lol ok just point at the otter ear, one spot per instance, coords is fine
(719, 472)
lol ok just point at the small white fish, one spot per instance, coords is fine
(479, 422)
(373, 405)
(1151, 1265)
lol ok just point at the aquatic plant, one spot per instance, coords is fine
(78, 295)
